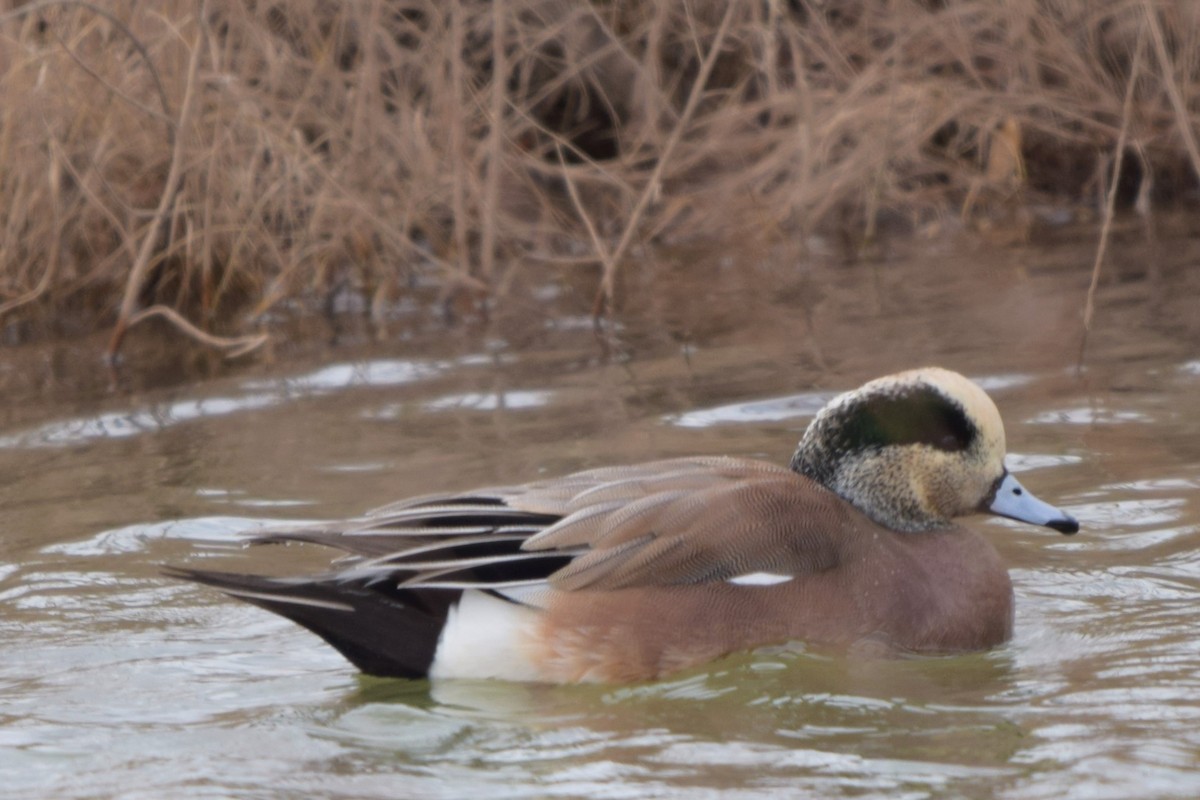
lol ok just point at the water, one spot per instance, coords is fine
(115, 682)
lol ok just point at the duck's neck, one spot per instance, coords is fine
(894, 505)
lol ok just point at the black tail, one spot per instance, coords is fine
(382, 630)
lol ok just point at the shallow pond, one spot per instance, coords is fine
(116, 682)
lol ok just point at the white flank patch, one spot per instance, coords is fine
(759, 579)
(486, 637)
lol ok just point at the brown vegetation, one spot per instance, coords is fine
(211, 162)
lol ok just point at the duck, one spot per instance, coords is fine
(623, 574)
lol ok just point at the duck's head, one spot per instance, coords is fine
(916, 449)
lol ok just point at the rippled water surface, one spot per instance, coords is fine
(115, 682)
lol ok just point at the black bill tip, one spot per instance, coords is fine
(1067, 525)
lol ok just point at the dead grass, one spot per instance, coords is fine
(213, 164)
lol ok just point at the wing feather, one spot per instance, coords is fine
(757, 525)
(674, 522)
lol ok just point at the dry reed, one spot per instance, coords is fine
(216, 163)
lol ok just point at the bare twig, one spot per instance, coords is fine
(652, 187)
(141, 267)
(161, 116)
(1182, 117)
(167, 115)
(593, 234)
(233, 346)
(1110, 203)
(458, 124)
(491, 189)
(52, 258)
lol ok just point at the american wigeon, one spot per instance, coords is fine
(630, 573)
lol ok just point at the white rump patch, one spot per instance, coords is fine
(759, 579)
(486, 637)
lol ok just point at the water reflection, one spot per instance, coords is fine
(803, 405)
(727, 727)
(138, 538)
(1090, 416)
(774, 410)
(257, 395)
(477, 401)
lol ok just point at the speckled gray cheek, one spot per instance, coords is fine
(879, 484)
